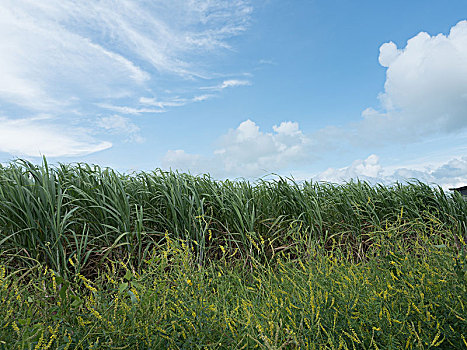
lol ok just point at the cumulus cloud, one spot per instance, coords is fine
(36, 137)
(453, 173)
(425, 95)
(250, 151)
(388, 53)
(425, 90)
(247, 151)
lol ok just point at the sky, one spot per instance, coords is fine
(327, 90)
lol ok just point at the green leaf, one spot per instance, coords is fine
(77, 301)
(128, 275)
(122, 287)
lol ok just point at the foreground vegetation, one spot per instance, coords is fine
(399, 297)
(93, 259)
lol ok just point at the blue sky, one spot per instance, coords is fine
(329, 90)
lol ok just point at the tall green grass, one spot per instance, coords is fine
(49, 214)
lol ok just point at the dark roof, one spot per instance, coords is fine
(463, 188)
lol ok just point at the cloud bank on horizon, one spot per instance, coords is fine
(449, 174)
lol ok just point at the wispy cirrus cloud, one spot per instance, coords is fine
(227, 84)
(70, 59)
(163, 105)
(51, 66)
(129, 110)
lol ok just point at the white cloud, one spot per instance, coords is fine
(228, 84)
(287, 128)
(119, 125)
(388, 53)
(453, 173)
(200, 98)
(234, 83)
(425, 90)
(425, 95)
(247, 151)
(36, 137)
(175, 102)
